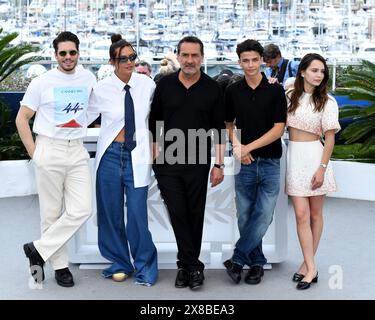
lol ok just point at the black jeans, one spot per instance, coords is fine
(184, 194)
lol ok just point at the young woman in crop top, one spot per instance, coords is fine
(312, 114)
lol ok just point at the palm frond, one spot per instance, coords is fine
(360, 76)
(369, 65)
(369, 143)
(367, 83)
(351, 111)
(358, 93)
(359, 130)
(370, 111)
(14, 57)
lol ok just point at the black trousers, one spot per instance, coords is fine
(184, 194)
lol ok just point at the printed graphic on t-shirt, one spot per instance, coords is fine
(70, 107)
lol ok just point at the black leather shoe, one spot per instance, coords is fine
(64, 277)
(254, 275)
(196, 279)
(303, 285)
(234, 270)
(297, 277)
(36, 262)
(182, 279)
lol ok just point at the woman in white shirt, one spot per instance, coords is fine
(312, 114)
(123, 164)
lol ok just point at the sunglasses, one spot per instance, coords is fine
(124, 59)
(143, 64)
(71, 53)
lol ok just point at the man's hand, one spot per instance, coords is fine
(272, 80)
(155, 150)
(32, 151)
(242, 153)
(216, 176)
(248, 159)
(22, 121)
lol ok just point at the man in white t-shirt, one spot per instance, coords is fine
(59, 98)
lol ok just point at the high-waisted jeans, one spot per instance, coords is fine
(114, 177)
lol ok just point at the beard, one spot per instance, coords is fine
(71, 66)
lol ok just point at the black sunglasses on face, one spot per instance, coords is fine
(143, 64)
(124, 59)
(71, 53)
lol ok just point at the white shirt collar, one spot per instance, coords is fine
(121, 84)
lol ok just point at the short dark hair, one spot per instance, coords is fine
(143, 63)
(249, 45)
(190, 39)
(271, 51)
(117, 43)
(65, 36)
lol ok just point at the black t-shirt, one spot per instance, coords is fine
(255, 111)
(199, 107)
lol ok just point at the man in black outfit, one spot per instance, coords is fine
(184, 102)
(258, 109)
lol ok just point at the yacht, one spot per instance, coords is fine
(367, 51)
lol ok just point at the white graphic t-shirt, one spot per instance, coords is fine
(60, 101)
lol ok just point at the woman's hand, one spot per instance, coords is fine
(317, 179)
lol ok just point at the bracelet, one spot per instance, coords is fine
(323, 165)
(219, 166)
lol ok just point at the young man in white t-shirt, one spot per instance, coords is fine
(59, 98)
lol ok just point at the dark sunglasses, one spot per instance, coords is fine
(124, 59)
(71, 53)
(143, 64)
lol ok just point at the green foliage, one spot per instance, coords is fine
(11, 147)
(354, 152)
(359, 84)
(14, 57)
(11, 59)
(15, 82)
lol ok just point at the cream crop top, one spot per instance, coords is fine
(304, 118)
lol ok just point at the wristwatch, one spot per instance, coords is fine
(219, 166)
(323, 165)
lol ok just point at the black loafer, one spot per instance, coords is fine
(64, 277)
(303, 285)
(182, 278)
(36, 262)
(234, 270)
(254, 275)
(196, 279)
(297, 277)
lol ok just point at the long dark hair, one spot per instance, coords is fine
(319, 95)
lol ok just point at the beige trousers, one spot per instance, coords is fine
(65, 194)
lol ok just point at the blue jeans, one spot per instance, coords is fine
(114, 176)
(257, 187)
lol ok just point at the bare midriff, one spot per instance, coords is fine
(300, 135)
(121, 136)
